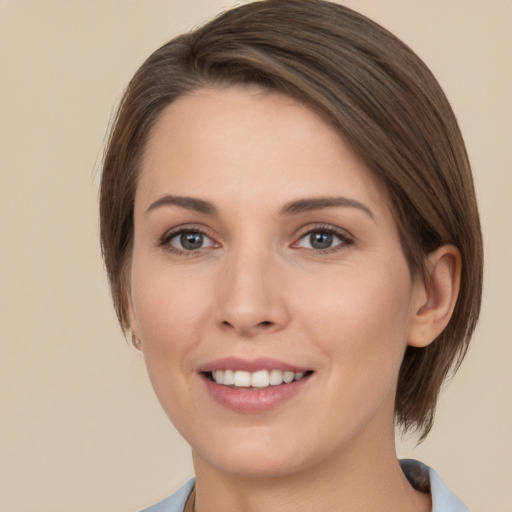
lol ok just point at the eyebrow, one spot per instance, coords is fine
(189, 203)
(317, 203)
(291, 208)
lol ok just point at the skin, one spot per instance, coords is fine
(258, 288)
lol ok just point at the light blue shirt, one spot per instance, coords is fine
(443, 500)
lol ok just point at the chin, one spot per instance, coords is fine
(253, 465)
(259, 453)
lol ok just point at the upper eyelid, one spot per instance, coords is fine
(194, 228)
(311, 227)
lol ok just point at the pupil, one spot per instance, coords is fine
(321, 240)
(191, 241)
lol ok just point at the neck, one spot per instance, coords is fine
(352, 481)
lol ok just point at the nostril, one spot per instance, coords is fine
(247, 328)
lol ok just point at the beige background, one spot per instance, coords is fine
(80, 429)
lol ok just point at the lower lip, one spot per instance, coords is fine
(253, 400)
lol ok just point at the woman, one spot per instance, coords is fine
(291, 235)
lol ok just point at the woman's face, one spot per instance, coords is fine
(264, 251)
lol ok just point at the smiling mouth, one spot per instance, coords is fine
(260, 379)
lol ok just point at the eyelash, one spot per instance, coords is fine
(345, 240)
(166, 239)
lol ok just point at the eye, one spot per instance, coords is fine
(187, 240)
(323, 239)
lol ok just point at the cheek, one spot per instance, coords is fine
(169, 310)
(169, 313)
(361, 319)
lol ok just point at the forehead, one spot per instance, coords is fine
(220, 120)
(253, 142)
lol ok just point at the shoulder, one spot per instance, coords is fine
(175, 502)
(426, 479)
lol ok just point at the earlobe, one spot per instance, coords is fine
(436, 297)
(136, 342)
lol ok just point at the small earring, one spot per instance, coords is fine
(135, 341)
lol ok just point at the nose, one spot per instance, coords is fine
(252, 296)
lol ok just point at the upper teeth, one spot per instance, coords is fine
(259, 379)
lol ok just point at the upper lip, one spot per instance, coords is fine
(249, 365)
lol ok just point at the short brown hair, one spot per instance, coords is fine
(380, 97)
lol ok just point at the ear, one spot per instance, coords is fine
(435, 298)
